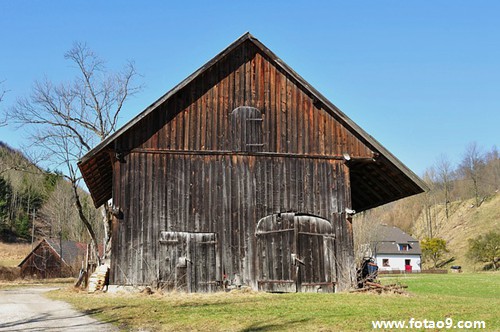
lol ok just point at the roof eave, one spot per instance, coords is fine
(399, 253)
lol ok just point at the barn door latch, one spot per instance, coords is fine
(183, 262)
(296, 260)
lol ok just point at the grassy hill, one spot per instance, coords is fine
(11, 254)
(465, 221)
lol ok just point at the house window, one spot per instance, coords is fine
(404, 246)
(385, 262)
(246, 129)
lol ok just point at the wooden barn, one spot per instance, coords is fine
(242, 174)
(52, 258)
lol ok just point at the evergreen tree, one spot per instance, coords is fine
(5, 194)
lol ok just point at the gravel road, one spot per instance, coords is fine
(26, 309)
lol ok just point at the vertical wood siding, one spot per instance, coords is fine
(198, 118)
(196, 165)
(223, 195)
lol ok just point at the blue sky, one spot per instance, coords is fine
(422, 77)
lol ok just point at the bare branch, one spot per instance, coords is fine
(65, 120)
(3, 118)
(125, 91)
(471, 167)
(2, 91)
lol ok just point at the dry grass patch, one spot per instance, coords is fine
(11, 254)
(466, 222)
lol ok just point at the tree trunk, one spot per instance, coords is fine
(108, 220)
(86, 222)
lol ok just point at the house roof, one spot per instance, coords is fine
(373, 183)
(71, 251)
(389, 237)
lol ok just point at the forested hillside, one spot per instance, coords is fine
(37, 201)
(462, 203)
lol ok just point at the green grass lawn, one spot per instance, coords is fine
(470, 297)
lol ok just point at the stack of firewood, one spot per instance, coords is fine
(374, 287)
(98, 278)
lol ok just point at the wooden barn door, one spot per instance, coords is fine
(275, 244)
(295, 254)
(202, 262)
(315, 245)
(188, 261)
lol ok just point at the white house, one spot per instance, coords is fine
(394, 250)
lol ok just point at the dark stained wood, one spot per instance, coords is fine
(242, 141)
(248, 188)
(188, 261)
(53, 258)
(295, 253)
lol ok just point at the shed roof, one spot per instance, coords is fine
(389, 237)
(373, 183)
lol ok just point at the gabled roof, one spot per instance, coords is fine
(396, 180)
(388, 239)
(70, 250)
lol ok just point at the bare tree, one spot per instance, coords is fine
(471, 166)
(3, 121)
(364, 231)
(445, 179)
(66, 120)
(492, 171)
(59, 210)
(2, 91)
(428, 200)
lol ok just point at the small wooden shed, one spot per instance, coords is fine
(242, 174)
(53, 258)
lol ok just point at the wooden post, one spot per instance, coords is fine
(33, 230)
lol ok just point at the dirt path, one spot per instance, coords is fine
(26, 309)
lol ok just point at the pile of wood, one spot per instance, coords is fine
(374, 287)
(97, 280)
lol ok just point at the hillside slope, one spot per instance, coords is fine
(30, 195)
(466, 221)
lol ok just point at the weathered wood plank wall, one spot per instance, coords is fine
(198, 118)
(189, 168)
(225, 195)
